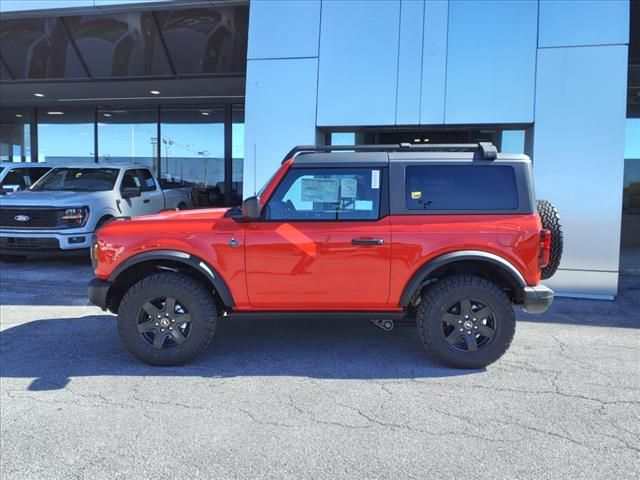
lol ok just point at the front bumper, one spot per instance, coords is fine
(97, 291)
(537, 299)
(14, 242)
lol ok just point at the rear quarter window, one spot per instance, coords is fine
(461, 187)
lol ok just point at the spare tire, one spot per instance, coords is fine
(551, 221)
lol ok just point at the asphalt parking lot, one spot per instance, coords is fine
(311, 399)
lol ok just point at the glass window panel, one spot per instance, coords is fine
(512, 141)
(119, 44)
(237, 152)
(461, 187)
(65, 136)
(192, 151)
(632, 138)
(38, 48)
(15, 135)
(206, 40)
(128, 136)
(327, 194)
(343, 138)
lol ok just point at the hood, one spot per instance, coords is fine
(169, 222)
(51, 198)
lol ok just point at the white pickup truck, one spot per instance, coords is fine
(60, 212)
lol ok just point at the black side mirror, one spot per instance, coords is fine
(130, 192)
(251, 208)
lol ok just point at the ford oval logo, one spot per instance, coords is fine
(22, 218)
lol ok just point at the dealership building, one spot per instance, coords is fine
(213, 93)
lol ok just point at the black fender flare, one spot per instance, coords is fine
(181, 257)
(431, 266)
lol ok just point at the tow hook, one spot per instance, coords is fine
(386, 325)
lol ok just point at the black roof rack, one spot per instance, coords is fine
(485, 150)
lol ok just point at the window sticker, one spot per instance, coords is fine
(149, 182)
(375, 179)
(416, 195)
(348, 188)
(366, 205)
(320, 190)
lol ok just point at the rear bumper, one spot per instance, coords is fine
(537, 299)
(97, 291)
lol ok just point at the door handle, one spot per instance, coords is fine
(146, 200)
(367, 241)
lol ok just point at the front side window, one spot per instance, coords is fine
(130, 179)
(461, 187)
(78, 180)
(148, 183)
(327, 194)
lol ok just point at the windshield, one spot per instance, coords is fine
(78, 180)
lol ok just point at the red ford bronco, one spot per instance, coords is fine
(448, 236)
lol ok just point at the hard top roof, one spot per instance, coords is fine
(381, 155)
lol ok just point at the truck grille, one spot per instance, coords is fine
(29, 244)
(30, 217)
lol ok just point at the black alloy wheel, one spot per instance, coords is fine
(167, 318)
(466, 321)
(469, 325)
(164, 323)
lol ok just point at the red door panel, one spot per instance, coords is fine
(316, 266)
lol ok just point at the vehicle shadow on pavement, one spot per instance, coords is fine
(619, 313)
(53, 351)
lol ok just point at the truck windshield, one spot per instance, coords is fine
(78, 180)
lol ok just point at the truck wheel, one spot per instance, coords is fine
(466, 321)
(182, 206)
(551, 221)
(167, 319)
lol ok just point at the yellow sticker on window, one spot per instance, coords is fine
(416, 195)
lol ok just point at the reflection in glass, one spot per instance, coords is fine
(65, 136)
(38, 48)
(630, 238)
(128, 136)
(206, 40)
(119, 44)
(15, 135)
(237, 153)
(192, 152)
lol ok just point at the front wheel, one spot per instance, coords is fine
(167, 319)
(466, 321)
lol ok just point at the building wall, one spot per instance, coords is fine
(559, 65)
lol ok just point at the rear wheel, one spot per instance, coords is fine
(466, 321)
(167, 319)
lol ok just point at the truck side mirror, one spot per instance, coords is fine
(251, 208)
(130, 192)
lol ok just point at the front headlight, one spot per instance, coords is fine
(76, 216)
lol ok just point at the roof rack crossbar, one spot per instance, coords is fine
(486, 150)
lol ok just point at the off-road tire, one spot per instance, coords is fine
(551, 221)
(187, 291)
(435, 302)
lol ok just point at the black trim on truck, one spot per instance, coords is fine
(181, 257)
(423, 272)
(537, 299)
(97, 291)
